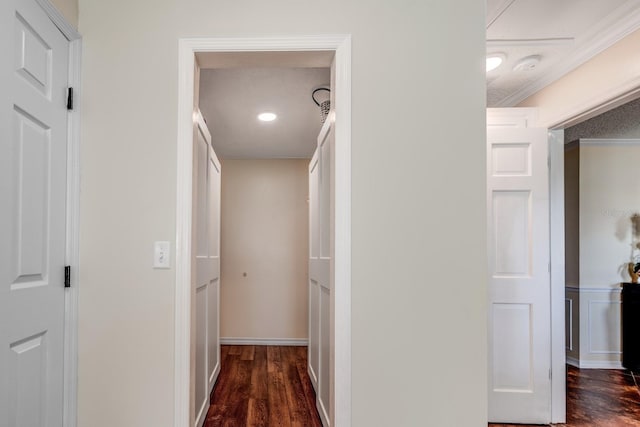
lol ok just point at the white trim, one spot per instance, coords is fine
(554, 41)
(614, 27)
(182, 341)
(72, 250)
(187, 48)
(341, 290)
(573, 362)
(603, 364)
(295, 342)
(607, 142)
(59, 21)
(511, 117)
(599, 103)
(593, 290)
(70, 399)
(556, 258)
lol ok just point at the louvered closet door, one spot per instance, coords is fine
(33, 144)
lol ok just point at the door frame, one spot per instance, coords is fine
(601, 103)
(187, 49)
(72, 244)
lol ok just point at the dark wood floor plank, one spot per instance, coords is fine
(279, 414)
(295, 392)
(259, 380)
(309, 392)
(235, 350)
(599, 398)
(263, 386)
(258, 415)
(247, 352)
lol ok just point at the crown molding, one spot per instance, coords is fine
(613, 28)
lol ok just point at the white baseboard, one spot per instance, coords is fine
(264, 341)
(594, 364)
(573, 362)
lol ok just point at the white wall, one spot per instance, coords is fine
(265, 236)
(418, 207)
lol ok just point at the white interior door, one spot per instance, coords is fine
(206, 285)
(33, 143)
(519, 278)
(320, 270)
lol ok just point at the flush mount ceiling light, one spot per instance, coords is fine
(494, 60)
(527, 64)
(267, 117)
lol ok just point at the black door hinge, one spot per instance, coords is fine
(67, 276)
(70, 99)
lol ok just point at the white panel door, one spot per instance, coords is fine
(313, 357)
(519, 279)
(33, 143)
(206, 238)
(320, 271)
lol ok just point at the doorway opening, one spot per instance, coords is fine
(264, 128)
(279, 50)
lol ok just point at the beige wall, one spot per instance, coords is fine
(601, 194)
(612, 73)
(69, 9)
(418, 206)
(609, 195)
(265, 235)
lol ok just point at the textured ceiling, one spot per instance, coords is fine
(231, 99)
(563, 33)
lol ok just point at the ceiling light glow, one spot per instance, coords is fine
(494, 61)
(267, 117)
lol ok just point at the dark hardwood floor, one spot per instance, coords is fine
(600, 398)
(269, 386)
(263, 386)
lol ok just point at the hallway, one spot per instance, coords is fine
(263, 386)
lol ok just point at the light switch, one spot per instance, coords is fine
(161, 255)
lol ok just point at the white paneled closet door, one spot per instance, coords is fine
(33, 183)
(519, 277)
(320, 271)
(206, 283)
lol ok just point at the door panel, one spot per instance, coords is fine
(213, 325)
(206, 238)
(314, 288)
(33, 131)
(320, 271)
(519, 280)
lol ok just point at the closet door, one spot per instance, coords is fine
(314, 258)
(320, 271)
(205, 294)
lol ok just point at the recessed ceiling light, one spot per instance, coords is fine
(267, 117)
(527, 64)
(494, 61)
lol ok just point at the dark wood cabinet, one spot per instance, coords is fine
(631, 326)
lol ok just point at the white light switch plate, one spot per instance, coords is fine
(161, 255)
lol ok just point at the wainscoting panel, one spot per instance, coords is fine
(594, 327)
